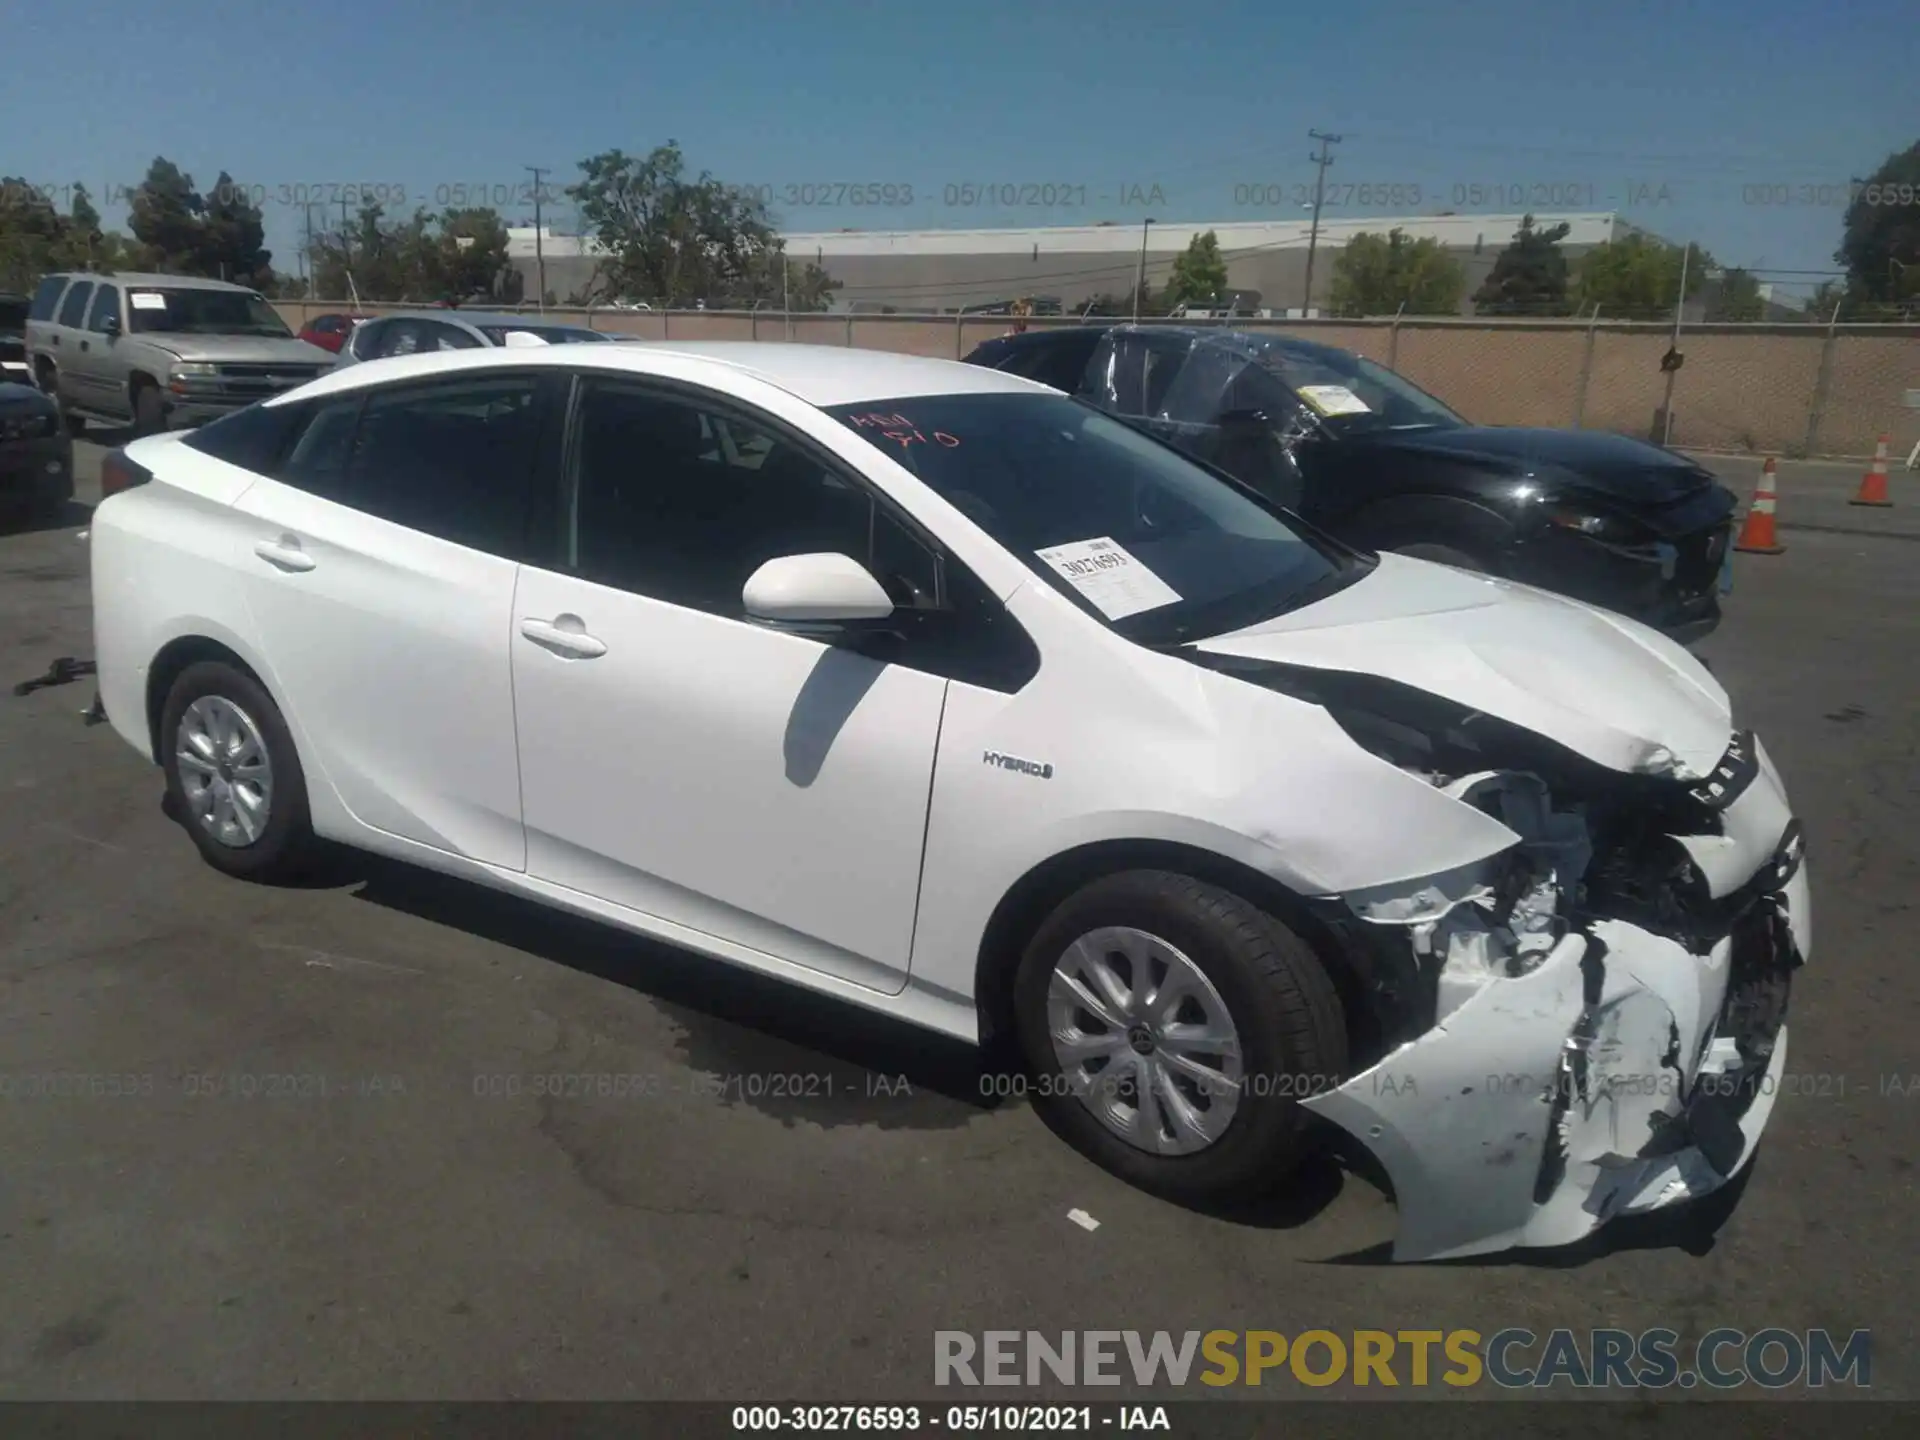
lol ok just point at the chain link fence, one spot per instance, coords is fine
(1786, 389)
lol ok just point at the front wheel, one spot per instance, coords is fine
(1172, 1030)
(149, 418)
(233, 778)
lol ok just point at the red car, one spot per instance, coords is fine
(330, 332)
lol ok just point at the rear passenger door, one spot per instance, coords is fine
(381, 566)
(69, 327)
(93, 376)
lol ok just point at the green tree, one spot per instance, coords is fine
(32, 234)
(1832, 300)
(458, 255)
(1199, 272)
(1529, 277)
(673, 239)
(232, 239)
(1638, 278)
(1377, 274)
(166, 218)
(1735, 296)
(468, 257)
(85, 245)
(1880, 237)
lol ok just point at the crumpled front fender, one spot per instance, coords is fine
(1624, 1071)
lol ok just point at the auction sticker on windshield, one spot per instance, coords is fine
(1114, 583)
(147, 300)
(1334, 400)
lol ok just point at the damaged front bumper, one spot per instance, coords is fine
(1597, 1016)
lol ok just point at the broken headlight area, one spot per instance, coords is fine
(1582, 1025)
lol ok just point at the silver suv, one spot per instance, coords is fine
(159, 352)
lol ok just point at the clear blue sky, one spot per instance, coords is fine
(1678, 114)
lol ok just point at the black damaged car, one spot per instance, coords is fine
(1369, 457)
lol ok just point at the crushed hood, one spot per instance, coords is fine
(1606, 687)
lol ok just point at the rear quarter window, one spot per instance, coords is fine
(254, 438)
(46, 297)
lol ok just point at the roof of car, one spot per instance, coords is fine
(820, 375)
(524, 320)
(159, 282)
(1248, 342)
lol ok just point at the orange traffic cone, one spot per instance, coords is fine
(1756, 534)
(1873, 484)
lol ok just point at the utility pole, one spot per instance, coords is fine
(1323, 159)
(1140, 280)
(1670, 362)
(539, 248)
(306, 255)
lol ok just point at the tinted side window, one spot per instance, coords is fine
(1060, 363)
(446, 337)
(682, 502)
(74, 308)
(253, 438)
(454, 460)
(106, 302)
(46, 296)
(364, 341)
(318, 460)
(401, 337)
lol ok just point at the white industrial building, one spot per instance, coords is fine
(930, 271)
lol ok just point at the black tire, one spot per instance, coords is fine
(1292, 1031)
(285, 847)
(1441, 555)
(149, 418)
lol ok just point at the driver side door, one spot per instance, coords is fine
(754, 787)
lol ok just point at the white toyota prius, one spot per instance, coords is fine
(925, 686)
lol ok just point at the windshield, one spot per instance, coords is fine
(552, 334)
(1352, 395)
(203, 312)
(1130, 530)
(13, 317)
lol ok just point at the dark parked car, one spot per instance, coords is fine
(13, 340)
(36, 453)
(1377, 462)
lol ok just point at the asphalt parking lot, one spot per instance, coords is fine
(297, 1153)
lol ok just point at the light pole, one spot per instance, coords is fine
(1140, 280)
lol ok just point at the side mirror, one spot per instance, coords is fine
(522, 340)
(821, 592)
(110, 325)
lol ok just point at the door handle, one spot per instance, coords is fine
(564, 635)
(84, 345)
(285, 554)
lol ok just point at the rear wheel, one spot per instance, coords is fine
(233, 778)
(1172, 1030)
